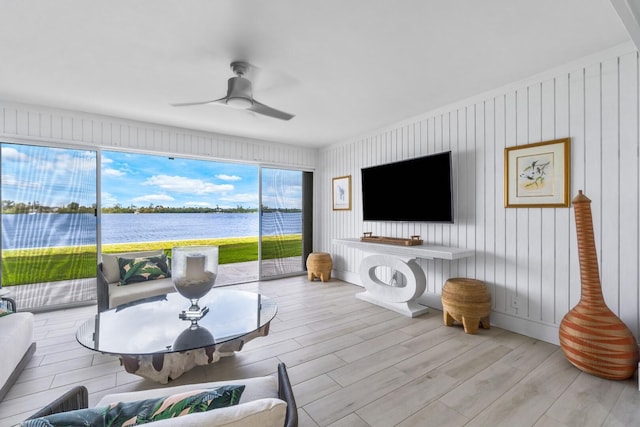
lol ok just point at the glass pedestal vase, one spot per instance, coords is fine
(194, 270)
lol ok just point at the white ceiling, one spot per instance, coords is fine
(344, 67)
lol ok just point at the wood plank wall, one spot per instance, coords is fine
(28, 123)
(529, 254)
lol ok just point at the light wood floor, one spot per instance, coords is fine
(356, 364)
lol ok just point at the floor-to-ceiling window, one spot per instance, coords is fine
(54, 224)
(158, 202)
(48, 225)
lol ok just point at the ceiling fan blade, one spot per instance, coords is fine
(260, 108)
(187, 104)
(240, 95)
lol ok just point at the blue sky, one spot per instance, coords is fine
(143, 180)
(56, 177)
(50, 177)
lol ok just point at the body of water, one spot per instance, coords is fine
(48, 230)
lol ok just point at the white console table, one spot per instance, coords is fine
(402, 259)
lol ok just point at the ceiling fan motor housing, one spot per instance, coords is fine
(239, 93)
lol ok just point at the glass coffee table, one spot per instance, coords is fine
(153, 342)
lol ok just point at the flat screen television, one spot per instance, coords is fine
(416, 190)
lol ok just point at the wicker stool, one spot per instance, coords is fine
(467, 301)
(319, 265)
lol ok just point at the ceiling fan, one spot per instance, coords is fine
(240, 95)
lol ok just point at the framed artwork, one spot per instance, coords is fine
(341, 193)
(537, 175)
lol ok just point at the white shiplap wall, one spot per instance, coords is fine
(527, 253)
(25, 123)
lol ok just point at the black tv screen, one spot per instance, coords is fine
(418, 189)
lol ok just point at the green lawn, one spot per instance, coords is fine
(25, 266)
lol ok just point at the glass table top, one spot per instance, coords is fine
(153, 326)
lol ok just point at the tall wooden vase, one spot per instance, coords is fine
(592, 337)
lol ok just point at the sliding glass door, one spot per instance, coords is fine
(285, 218)
(54, 222)
(48, 225)
(158, 202)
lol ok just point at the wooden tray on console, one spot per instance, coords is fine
(412, 241)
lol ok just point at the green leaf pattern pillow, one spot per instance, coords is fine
(144, 411)
(136, 270)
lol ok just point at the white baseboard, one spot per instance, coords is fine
(541, 331)
(347, 276)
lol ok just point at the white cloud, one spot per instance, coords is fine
(108, 199)
(11, 180)
(113, 173)
(10, 153)
(282, 202)
(241, 198)
(72, 163)
(154, 198)
(181, 184)
(58, 161)
(224, 177)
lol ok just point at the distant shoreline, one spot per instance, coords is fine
(44, 230)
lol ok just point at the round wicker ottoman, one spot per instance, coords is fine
(319, 265)
(467, 301)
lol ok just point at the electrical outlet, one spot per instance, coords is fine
(515, 302)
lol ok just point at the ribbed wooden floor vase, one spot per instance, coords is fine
(592, 337)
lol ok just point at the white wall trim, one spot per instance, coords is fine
(348, 276)
(630, 17)
(539, 330)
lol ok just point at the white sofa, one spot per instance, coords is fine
(17, 344)
(111, 294)
(265, 402)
